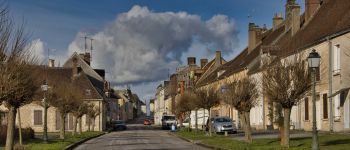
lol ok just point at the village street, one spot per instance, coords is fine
(138, 137)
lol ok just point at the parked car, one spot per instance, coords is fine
(118, 125)
(222, 124)
(168, 121)
(147, 122)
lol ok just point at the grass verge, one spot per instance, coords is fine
(327, 142)
(56, 144)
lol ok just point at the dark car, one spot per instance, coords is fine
(118, 125)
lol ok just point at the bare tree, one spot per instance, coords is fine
(68, 97)
(242, 95)
(78, 112)
(207, 99)
(93, 112)
(185, 105)
(17, 81)
(286, 82)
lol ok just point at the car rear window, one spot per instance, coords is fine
(169, 117)
(222, 120)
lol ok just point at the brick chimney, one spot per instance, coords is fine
(218, 58)
(75, 68)
(277, 21)
(292, 16)
(311, 7)
(254, 36)
(87, 58)
(204, 62)
(191, 61)
(51, 63)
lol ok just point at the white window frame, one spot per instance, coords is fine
(336, 59)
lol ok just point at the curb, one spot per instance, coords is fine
(74, 145)
(197, 143)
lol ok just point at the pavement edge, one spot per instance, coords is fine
(76, 144)
(197, 143)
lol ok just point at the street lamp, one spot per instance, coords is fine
(44, 88)
(314, 63)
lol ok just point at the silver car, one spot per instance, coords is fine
(222, 124)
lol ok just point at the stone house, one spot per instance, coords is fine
(297, 34)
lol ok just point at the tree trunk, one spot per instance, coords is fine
(241, 120)
(196, 121)
(80, 126)
(203, 119)
(11, 128)
(89, 123)
(19, 127)
(209, 122)
(190, 123)
(62, 130)
(93, 124)
(286, 124)
(247, 128)
(75, 124)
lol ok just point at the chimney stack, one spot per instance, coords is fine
(51, 63)
(254, 36)
(218, 58)
(277, 21)
(191, 61)
(292, 16)
(204, 62)
(311, 7)
(87, 58)
(75, 68)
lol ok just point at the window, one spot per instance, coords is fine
(38, 117)
(318, 74)
(336, 59)
(325, 106)
(68, 124)
(306, 109)
(337, 105)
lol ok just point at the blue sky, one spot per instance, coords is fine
(57, 22)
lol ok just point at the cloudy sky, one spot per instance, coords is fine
(138, 42)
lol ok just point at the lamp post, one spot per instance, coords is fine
(44, 88)
(314, 63)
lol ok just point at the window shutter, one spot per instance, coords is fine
(58, 120)
(38, 118)
(325, 106)
(306, 108)
(70, 122)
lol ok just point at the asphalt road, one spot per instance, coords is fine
(138, 137)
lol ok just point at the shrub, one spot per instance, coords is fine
(27, 133)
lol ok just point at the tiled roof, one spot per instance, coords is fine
(333, 17)
(241, 61)
(58, 75)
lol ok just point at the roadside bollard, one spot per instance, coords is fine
(226, 133)
(173, 129)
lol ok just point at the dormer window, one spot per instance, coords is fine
(220, 73)
(88, 92)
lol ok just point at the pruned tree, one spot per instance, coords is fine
(206, 99)
(17, 80)
(185, 105)
(242, 95)
(93, 112)
(68, 98)
(78, 112)
(286, 82)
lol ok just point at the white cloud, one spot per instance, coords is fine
(141, 45)
(37, 47)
